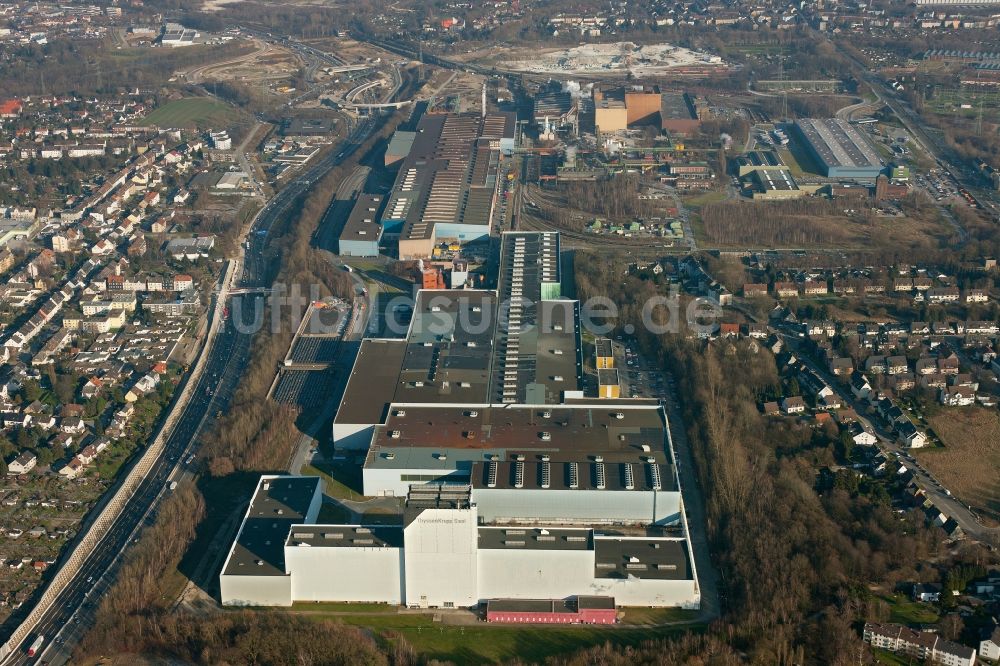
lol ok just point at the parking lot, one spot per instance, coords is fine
(639, 380)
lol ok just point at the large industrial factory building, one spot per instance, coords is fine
(840, 149)
(521, 492)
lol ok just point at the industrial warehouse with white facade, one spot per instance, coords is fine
(523, 495)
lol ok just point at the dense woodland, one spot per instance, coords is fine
(796, 564)
(616, 198)
(65, 67)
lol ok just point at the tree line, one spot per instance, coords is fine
(797, 561)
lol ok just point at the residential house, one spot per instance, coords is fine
(729, 330)
(752, 290)
(919, 645)
(22, 464)
(903, 381)
(72, 425)
(926, 592)
(841, 366)
(862, 437)
(989, 646)
(786, 289)
(875, 364)
(911, 436)
(943, 295)
(895, 365)
(87, 454)
(934, 380)
(843, 287)
(977, 296)
(948, 365)
(72, 469)
(811, 288)
(817, 328)
(793, 405)
(957, 396)
(860, 386)
(146, 384)
(91, 388)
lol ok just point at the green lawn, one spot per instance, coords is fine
(703, 199)
(477, 644)
(201, 112)
(890, 659)
(905, 611)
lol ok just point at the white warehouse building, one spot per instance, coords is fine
(443, 557)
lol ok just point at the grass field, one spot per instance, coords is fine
(704, 198)
(949, 101)
(890, 659)
(905, 611)
(199, 112)
(477, 644)
(967, 463)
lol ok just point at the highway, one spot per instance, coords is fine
(75, 607)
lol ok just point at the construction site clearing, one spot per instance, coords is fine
(608, 59)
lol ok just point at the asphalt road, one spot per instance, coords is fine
(944, 501)
(74, 609)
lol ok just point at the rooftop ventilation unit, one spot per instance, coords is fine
(546, 474)
(602, 481)
(519, 474)
(654, 472)
(629, 477)
(395, 434)
(574, 475)
(545, 436)
(491, 475)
